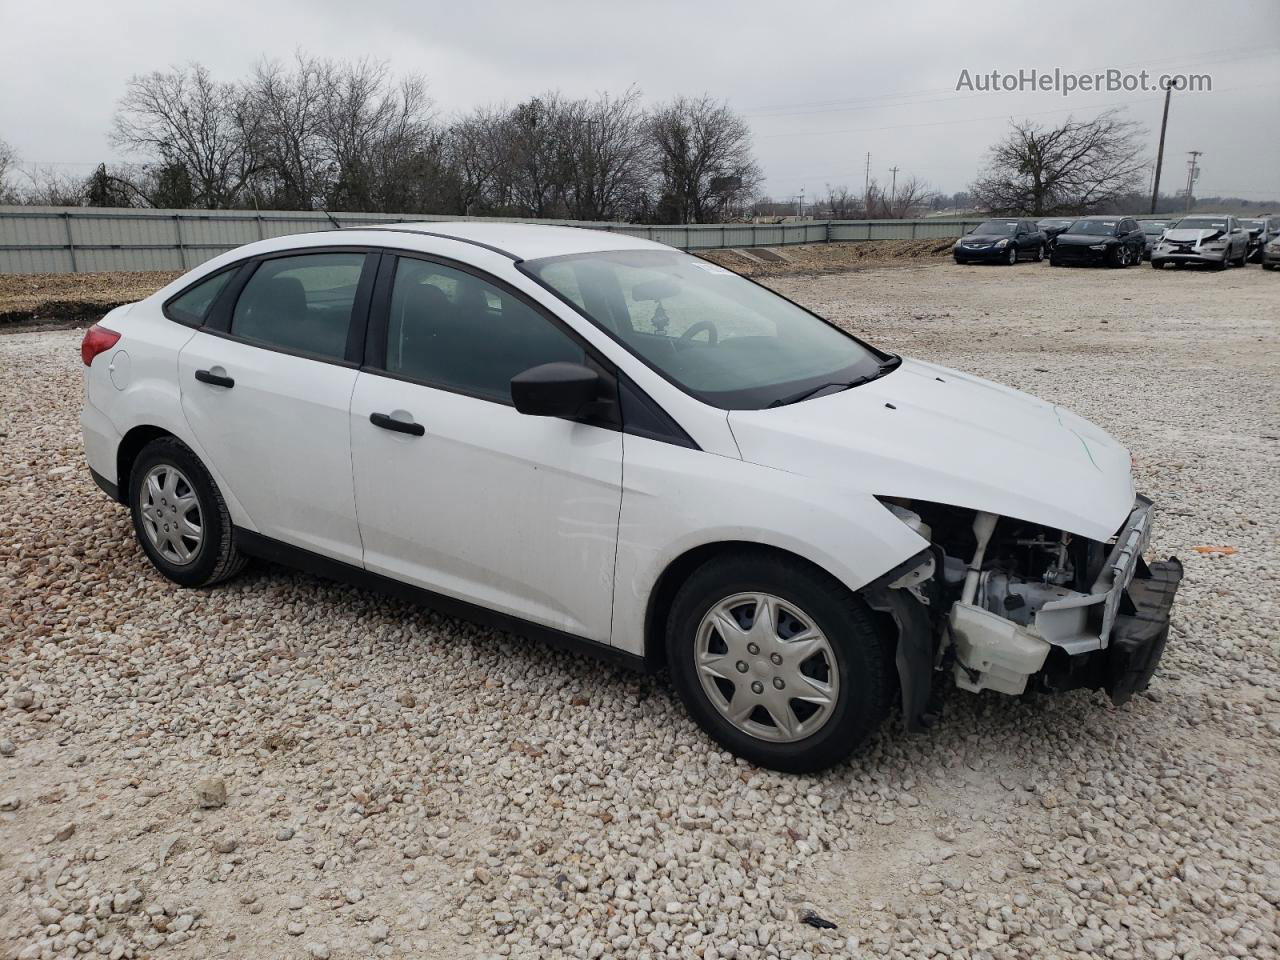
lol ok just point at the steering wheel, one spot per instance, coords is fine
(713, 335)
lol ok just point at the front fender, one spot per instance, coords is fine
(675, 500)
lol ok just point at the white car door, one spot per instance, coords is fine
(266, 388)
(456, 491)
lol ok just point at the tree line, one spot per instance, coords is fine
(350, 135)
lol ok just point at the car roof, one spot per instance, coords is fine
(523, 241)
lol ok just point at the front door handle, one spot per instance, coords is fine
(216, 379)
(399, 426)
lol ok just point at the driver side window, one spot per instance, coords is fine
(448, 328)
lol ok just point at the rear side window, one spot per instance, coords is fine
(301, 304)
(191, 306)
(450, 329)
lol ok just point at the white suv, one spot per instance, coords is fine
(599, 440)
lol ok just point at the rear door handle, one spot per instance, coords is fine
(399, 426)
(216, 379)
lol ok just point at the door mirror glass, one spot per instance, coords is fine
(566, 390)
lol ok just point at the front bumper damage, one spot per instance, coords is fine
(1110, 638)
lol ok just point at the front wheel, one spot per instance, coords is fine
(779, 663)
(1012, 256)
(179, 517)
(1039, 253)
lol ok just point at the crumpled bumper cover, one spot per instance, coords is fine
(1138, 639)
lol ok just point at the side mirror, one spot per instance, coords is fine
(565, 390)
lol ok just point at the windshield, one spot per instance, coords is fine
(1153, 227)
(1251, 224)
(1055, 223)
(1202, 223)
(998, 227)
(720, 337)
(1097, 228)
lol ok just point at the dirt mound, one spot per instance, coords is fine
(33, 299)
(832, 257)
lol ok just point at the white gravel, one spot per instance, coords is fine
(399, 784)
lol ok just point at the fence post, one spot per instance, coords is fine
(182, 250)
(71, 243)
(262, 233)
(827, 232)
(913, 229)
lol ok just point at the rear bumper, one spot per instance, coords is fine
(101, 441)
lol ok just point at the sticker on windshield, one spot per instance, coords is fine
(713, 268)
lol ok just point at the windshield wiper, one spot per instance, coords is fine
(884, 367)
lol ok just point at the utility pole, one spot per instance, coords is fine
(1164, 123)
(1192, 173)
(802, 203)
(866, 179)
(893, 190)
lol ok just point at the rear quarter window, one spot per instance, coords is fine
(192, 305)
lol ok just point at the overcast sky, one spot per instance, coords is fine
(820, 83)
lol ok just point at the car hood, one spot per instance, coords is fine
(1194, 236)
(984, 237)
(1083, 239)
(929, 433)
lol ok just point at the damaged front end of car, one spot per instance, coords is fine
(1011, 606)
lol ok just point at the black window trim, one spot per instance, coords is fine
(882, 355)
(611, 419)
(218, 320)
(166, 307)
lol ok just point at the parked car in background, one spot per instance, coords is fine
(1109, 240)
(1001, 241)
(605, 443)
(1152, 231)
(1051, 227)
(1212, 240)
(1270, 255)
(1261, 230)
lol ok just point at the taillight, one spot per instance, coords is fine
(96, 339)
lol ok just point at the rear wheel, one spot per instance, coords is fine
(179, 516)
(779, 663)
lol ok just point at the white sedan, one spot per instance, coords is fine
(600, 441)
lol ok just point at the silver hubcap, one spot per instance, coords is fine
(171, 514)
(766, 667)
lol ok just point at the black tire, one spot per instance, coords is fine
(1012, 258)
(1039, 253)
(1118, 258)
(1244, 258)
(1054, 261)
(1268, 266)
(863, 654)
(960, 262)
(215, 558)
(1223, 263)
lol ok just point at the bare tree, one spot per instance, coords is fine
(475, 156)
(7, 161)
(704, 159)
(293, 170)
(1077, 167)
(186, 117)
(904, 201)
(842, 204)
(608, 156)
(369, 124)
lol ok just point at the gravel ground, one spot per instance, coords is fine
(286, 768)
